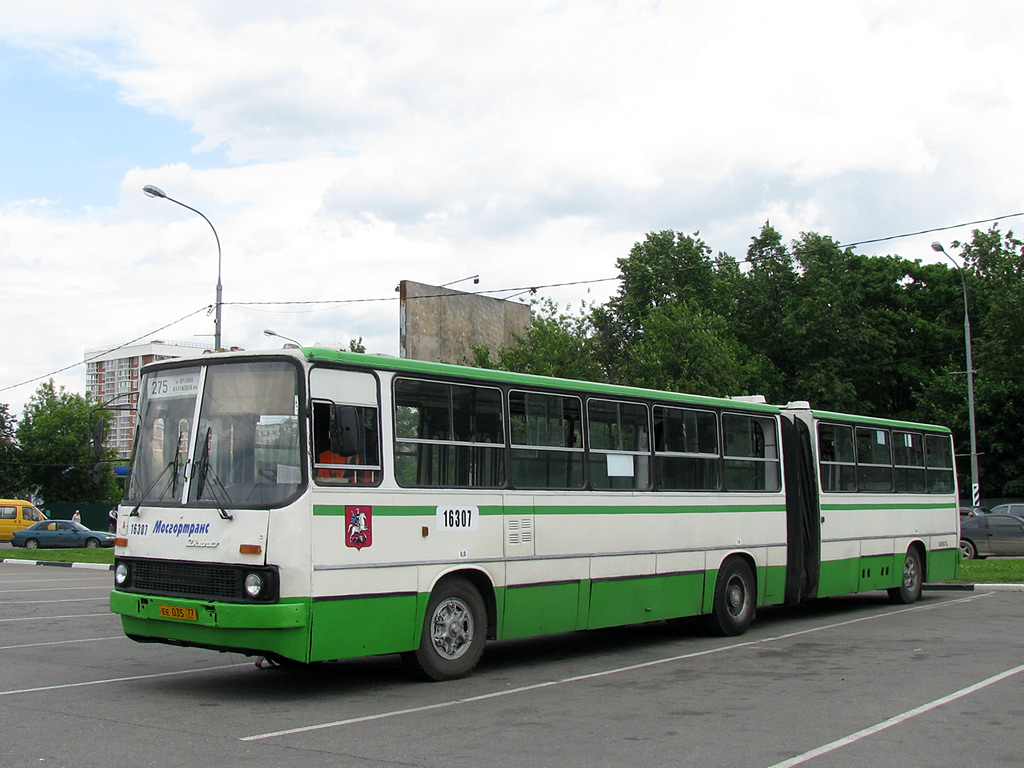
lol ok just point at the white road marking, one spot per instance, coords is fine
(897, 719)
(62, 642)
(590, 676)
(130, 679)
(70, 616)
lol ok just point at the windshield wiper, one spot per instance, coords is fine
(202, 468)
(173, 482)
(145, 493)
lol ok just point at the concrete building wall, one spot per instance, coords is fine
(443, 325)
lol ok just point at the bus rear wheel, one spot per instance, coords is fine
(910, 587)
(735, 600)
(454, 632)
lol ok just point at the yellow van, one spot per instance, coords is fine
(15, 515)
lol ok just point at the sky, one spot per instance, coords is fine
(341, 146)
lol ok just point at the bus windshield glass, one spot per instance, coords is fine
(223, 436)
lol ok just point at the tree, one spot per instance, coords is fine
(667, 324)
(994, 273)
(557, 343)
(54, 433)
(871, 335)
(10, 457)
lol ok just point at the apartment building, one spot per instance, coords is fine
(112, 376)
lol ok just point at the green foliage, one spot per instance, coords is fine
(10, 457)
(556, 344)
(1009, 571)
(54, 434)
(873, 335)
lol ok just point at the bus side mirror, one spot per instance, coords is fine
(345, 431)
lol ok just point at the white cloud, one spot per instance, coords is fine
(530, 142)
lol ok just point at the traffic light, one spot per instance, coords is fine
(98, 430)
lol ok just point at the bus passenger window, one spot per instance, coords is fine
(751, 453)
(620, 445)
(686, 449)
(874, 460)
(838, 463)
(547, 440)
(448, 435)
(346, 444)
(908, 453)
(939, 461)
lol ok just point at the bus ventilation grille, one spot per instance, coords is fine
(196, 580)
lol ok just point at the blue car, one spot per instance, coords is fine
(60, 533)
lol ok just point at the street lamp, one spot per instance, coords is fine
(975, 484)
(268, 332)
(152, 191)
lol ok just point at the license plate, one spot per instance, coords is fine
(175, 612)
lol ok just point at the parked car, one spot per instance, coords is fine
(1009, 509)
(966, 512)
(60, 533)
(992, 534)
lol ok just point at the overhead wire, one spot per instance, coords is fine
(532, 289)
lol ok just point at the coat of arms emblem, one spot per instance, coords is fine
(358, 526)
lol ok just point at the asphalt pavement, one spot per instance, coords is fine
(842, 682)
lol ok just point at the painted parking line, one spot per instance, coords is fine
(130, 679)
(594, 675)
(62, 642)
(48, 618)
(23, 590)
(69, 600)
(897, 719)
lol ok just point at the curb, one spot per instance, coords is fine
(90, 566)
(974, 587)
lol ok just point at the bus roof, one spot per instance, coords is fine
(403, 365)
(873, 421)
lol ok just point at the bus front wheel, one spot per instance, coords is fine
(454, 632)
(735, 600)
(913, 576)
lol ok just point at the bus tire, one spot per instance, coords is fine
(913, 577)
(735, 600)
(454, 632)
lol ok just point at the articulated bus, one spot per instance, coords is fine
(309, 505)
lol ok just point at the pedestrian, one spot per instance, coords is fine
(77, 517)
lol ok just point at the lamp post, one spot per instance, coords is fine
(975, 483)
(152, 191)
(268, 332)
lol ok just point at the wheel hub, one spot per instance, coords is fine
(452, 628)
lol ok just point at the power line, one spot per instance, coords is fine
(514, 291)
(106, 351)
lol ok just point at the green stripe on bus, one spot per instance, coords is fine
(338, 510)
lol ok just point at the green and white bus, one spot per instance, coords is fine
(306, 505)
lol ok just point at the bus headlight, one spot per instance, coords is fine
(121, 574)
(253, 584)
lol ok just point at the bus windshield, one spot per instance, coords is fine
(223, 435)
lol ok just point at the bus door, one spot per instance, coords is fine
(803, 512)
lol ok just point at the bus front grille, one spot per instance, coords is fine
(203, 581)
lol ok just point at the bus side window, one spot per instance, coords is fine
(346, 444)
(751, 461)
